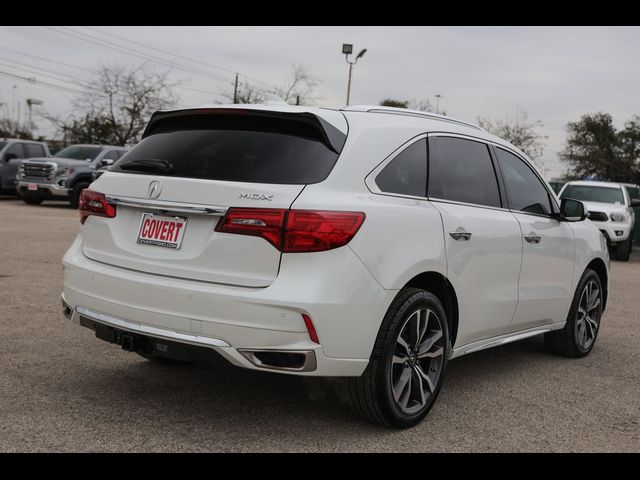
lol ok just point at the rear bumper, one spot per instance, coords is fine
(614, 232)
(48, 190)
(343, 300)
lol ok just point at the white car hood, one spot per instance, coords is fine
(604, 207)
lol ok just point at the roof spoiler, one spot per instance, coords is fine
(331, 136)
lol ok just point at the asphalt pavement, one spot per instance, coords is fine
(61, 389)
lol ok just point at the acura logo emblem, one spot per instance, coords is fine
(154, 189)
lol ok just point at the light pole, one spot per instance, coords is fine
(30, 103)
(347, 49)
(438, 96)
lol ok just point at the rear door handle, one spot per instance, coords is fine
(460, 234)
(533, 237)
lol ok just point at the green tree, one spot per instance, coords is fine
(390, 102)
(595, 148)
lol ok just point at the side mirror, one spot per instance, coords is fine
(105, 162)
(10, 156)
(572, 210)
(635, 202)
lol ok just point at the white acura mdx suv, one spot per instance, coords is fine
(368, 242)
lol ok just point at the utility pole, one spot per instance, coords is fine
(235, 90)
(438, 96)
(347, 49)
(297, 99)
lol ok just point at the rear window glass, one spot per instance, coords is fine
(236, 148)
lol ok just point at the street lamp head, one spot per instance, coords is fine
(347, 48)
(361, 54)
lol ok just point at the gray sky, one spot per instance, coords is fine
(555, 74)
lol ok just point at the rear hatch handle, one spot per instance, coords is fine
(163, 205)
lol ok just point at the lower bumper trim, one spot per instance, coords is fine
(153, 331)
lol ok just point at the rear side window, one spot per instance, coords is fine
(407, 173)
(34, 150)
(111, 155)
(526, 192)
(236, 148)
(461, 170)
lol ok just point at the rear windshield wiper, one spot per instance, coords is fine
(148, 165)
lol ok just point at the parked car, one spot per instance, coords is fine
(102, 166)
(610, 209)
(371, 243)
(12, 151)
(65, 175)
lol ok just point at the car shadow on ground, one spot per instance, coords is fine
(218, 395)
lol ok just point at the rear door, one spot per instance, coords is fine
(173, 188)
(548, 246)
(482, 239)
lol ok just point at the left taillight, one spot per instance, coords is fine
(94, 203)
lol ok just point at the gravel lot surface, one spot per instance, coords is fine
(61, 389)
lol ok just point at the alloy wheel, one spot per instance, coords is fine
(417, 360)
(588, 316)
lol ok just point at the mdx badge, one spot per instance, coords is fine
(256, 196)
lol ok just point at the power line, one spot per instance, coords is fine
(136, 53)
(83, 82)
(35, 81)
(23, 54)
(49, 74)
(210, 65)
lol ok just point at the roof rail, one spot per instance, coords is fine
(408, 112)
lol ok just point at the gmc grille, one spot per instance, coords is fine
(598, 216)
(37, 170)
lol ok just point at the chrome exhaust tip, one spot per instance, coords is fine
(284, 360)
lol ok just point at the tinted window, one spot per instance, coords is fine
(634, 192)
(461, 170)
(16, 149)
(79, 152)
(526, 192)
(407, 173)
(589, 193)
(239, 148)
(34, 150)
(111, 155)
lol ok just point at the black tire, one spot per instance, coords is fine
(32, 199)
(566, 342)
(371, 394)
(623, 250)
(75, 198)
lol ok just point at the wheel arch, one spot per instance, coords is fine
(598, 266)
(441, 287)
(86, 177)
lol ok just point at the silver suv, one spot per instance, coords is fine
(12, 151)
(65, 175)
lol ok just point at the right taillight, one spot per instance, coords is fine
(294, 231)
(316, 231)
(94, 203)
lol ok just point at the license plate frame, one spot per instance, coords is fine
(32, 187)
(166, 232)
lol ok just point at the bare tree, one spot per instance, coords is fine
(520, 132)
(424, 105)
(117, 105)
(300, 88)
